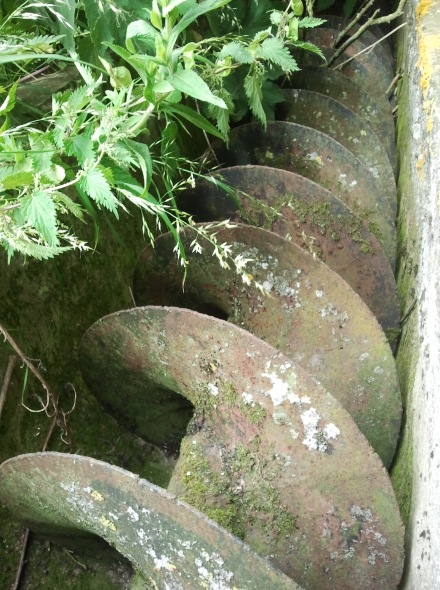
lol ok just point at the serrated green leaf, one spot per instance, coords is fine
(309, 22)
(81, 147)
(310, 47)
(276, 17)
(38, 209)
(95, 185)
(191, 84)
(236, 50)
(30, 248)
(274, 50)
(15, 179)
(41, 153)
(79, 98)
(63, 201)
(253, 90)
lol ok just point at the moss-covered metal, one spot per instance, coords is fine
(320, 158)
(307, 443)
(308, 312)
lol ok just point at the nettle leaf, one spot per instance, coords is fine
(309, 22)
(253, 89)
(276, 16)
(239, 52)
(30, 248)
(310, 47)
(81, 147)
(222, 116)
(38, 209)
(79, 98)
(95, 184)
(191, 84)
(66, 204)
(274, 50)
(42, 152)
(16, 179)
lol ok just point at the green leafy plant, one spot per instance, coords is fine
(147, 77)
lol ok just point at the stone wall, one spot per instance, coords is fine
(416, 473)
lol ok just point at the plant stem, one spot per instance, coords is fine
(24, 546)
(370, 48)
(372, 21)
(141, 121)
(6, 380)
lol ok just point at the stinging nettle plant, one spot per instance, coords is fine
(148, 76)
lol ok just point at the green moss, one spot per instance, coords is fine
(320, 215)
(240, 496)
(47, 306)
(392, 334)
(408, 257)
(229, 393)
(207, 491)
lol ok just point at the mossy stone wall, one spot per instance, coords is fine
(416, 472)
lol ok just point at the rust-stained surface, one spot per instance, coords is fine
(310, 314)
(320, 158)
(366, 68)
(266, 441)
(310, 216)
(173, 545)
(329, 116)
(333, 83)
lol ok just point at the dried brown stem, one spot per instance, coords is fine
(59, 415)
(369, 23)
(354, 21)
(370, 48)
(22, 562)
(6, 381)
(28, 363)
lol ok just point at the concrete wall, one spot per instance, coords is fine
(416, 474)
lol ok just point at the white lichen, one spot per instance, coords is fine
(213, 389)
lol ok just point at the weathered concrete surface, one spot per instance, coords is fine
(419, 279)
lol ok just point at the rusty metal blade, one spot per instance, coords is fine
(348, 92)
(269, 452)
(296, 208)
(170, 543)
(366, 68)
(329, 116)
(320, 158)
(310, 314)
